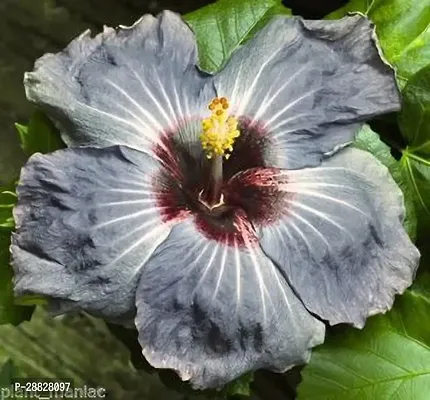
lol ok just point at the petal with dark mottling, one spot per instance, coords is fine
(308, 85)
(339, 239)
(122, 87)
(87, 221)
(213, 311)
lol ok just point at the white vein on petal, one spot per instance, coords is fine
(306, 222)
(152, 97)
(319, 214)
(143, 183)
(167, 99)
(284, 122)
(287, 107)
(126, 217)
(138, 119)
(281, 287)
(146, 224)
(236, 85)
(221, 273)
(152, 234)
(194, 264)
(329, 198)
(265, 104)
(176, 95)
(261, 285)
(156, 238)
(124, 121)
(249, 92)
(156, 125)
(294, 185)
(238, 275)
(206, 270)
(129, 191)
(122, 203)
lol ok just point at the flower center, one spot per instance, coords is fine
(188, 185)
(219, 130)
(219, 133)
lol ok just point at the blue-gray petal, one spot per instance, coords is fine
(122, 87)
(340, 241)
(309, 85)
(87, 221)
(213, 312)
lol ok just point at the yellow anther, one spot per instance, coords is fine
(219, 129)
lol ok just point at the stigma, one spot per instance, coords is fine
(219, 130)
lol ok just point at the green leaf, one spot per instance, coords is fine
(421, 284)
(370, 141)
(240, 386)
(223, 26)
(389, 359)
(414, 122)
(40, 136)
(7, 373)
(7, 201)
(10, 313)
(417, 170)
(403, 28)
(31, 300)
(414, 119)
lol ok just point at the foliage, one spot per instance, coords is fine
(10, 313)
(370, 141)
(7, 201)
(223, 26)
(389, 359)
(7, 373)
(403, 29)
(414, 122)
(39, 136)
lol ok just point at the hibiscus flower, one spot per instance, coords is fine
(224, 214)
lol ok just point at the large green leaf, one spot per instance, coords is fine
(10, 313)
(80, 348)
(388, 360)
(7, 201)
(414, 121)
(39, 136)
(221, 27)
(370, 141)
(403, 28)
(417, 170)
(7, 373)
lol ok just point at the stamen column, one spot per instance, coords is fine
(219, 133)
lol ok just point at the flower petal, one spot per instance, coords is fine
(122, 87)
(308, 85)
(340, 240)
(213, 311)
(86, 224)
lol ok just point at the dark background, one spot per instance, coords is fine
(30, 28)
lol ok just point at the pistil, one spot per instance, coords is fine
(219, 133)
